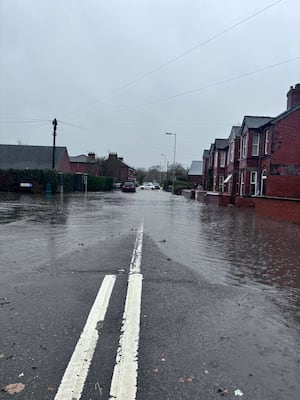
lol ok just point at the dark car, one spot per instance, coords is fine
(128, 187)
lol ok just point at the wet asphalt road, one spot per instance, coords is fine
(220, 299)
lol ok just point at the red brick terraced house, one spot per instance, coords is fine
(262, 165)
(250, 145)
(219, 164)
(231, 182)
(115, 167)
(205, 169)
(85, 164)
(279, 163)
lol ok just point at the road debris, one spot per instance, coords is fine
(13, 388)
(223, 392)
(238, 392)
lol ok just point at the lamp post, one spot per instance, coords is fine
(164, 167)
(173, 178)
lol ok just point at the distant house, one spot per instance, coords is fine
(262, 164)
(232, 179)
(219, 164)
(195, 173)
(205, 169)
(278, 172)
(250, 145)
(85, 164)
(33, 157)
(115, 167)
(208, 162)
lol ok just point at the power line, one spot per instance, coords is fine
(185, 53)
(70, 124)
(24, 121)
(219, 83)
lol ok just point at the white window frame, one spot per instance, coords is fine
(244, 146)
(231, 151)
(221, 183)
(253, 182)
(215, 183)
(222, 158)
(216, 159)
(255, 144)
(263, 178)
(267, 133)
(242, 185)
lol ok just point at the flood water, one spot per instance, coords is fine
(227, 245)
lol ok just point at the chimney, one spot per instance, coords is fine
(293, 96)
(91, 155)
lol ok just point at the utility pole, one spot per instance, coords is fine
(54, 123)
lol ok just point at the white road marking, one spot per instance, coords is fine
(72, 383)
(135, 265)
(124, 380)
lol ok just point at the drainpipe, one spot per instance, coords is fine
(258, 190)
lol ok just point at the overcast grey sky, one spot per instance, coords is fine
(90, 63)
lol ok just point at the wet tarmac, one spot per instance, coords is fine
(251, 265)
(227, 245)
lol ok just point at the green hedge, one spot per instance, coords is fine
(11, 179)
(99, 183)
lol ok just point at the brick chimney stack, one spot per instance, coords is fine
(293, 96)
(92, 156)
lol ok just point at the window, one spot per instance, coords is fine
(222, 159)
(244, 146)
(253, 182)
(216, 160)
(215, 183)
(267, 141)
(231, 152)
(263, 182)
(221, 183)
(255, 144)
(242, 183)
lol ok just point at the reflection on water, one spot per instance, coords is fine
(228, 245)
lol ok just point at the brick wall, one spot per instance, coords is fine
(286, 140)
(285, 209)
(283, 186)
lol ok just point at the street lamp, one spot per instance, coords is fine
(164, 167)
(173, 180)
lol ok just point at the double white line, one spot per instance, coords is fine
(124, 380)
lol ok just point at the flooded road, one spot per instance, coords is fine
(226, 245)
(221, 292)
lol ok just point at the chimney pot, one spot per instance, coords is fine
(293, 96)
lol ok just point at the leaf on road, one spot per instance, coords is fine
(223, 392)
(13, 388)
(51, 388)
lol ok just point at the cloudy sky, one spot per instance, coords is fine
(118, 74)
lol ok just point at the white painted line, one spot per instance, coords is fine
(72, 383)
(124, 380)
(135, 264)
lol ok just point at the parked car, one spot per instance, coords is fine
(147, 186)
(128, 187)
(156, 186)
